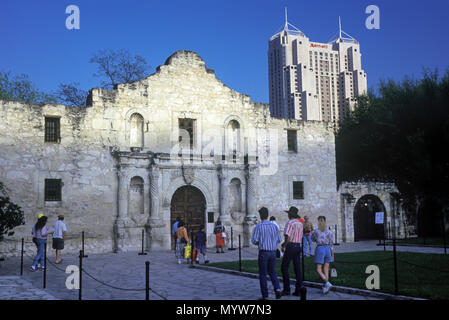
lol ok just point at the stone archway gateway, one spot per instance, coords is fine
(355, 225)
(365, 210)
(189, 204)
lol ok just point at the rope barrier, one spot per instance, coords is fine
(363, 262)
(109, 285)
(347, 262)
(118, 288)
(31, 257)
(415, 265)
(51, 263)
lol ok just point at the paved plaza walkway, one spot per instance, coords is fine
(122, 276)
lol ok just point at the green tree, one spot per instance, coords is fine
(400, 135)
(11, 215)
(20, 88)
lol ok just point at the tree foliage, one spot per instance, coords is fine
(11, 215)
(70, 94)
(119, 67)
(20, 88)
(401, 135)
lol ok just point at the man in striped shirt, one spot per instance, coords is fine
(292, 251)
(267, 237)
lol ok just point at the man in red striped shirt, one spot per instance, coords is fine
(291, 247)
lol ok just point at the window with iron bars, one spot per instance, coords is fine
(52, 129)
(298, 190)
(53, 189)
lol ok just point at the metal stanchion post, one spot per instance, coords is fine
(21, 260)
(82, 246)
(80, 290)
(147, 280)
(240, 255)
(143, 237)
(45, 265)
(232, 239)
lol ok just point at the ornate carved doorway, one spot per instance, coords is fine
(189, 204)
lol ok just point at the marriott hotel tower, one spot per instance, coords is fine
(313, 81)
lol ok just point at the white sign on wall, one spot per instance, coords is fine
(379, 217)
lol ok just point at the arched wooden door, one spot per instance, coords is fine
(189, 204)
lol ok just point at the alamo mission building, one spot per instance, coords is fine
(177, 143)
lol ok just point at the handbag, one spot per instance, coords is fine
(333, 273)
(187, 251)
(223, 234)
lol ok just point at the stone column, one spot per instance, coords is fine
(348, 203)
(223, 196)
(154, 192)
(155, 224)
(394, 211)
(251, 218)
(122, 217)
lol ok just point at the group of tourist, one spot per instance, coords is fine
(180, 234)
(298, 233)
(40, 232)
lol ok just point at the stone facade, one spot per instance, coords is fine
(120, 160)
(395, 220)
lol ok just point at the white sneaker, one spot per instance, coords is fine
(327, 287)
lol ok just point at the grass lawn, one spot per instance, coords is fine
(418, 274)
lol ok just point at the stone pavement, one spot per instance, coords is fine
(15, 287)
(168, 280)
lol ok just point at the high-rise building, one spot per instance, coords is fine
(313, 81)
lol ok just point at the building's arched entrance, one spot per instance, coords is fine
(189, 204)
(365, 210)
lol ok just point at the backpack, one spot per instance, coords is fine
(307, 228)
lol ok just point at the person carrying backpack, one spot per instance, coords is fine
(307, 236)
(181, 240)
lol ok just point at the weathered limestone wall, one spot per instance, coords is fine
(314, 163)
(84, 165)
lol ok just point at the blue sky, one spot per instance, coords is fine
(231, 36)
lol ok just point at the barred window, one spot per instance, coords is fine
(52, 129)
(291, 140)
(53, 189)
(298, 190)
